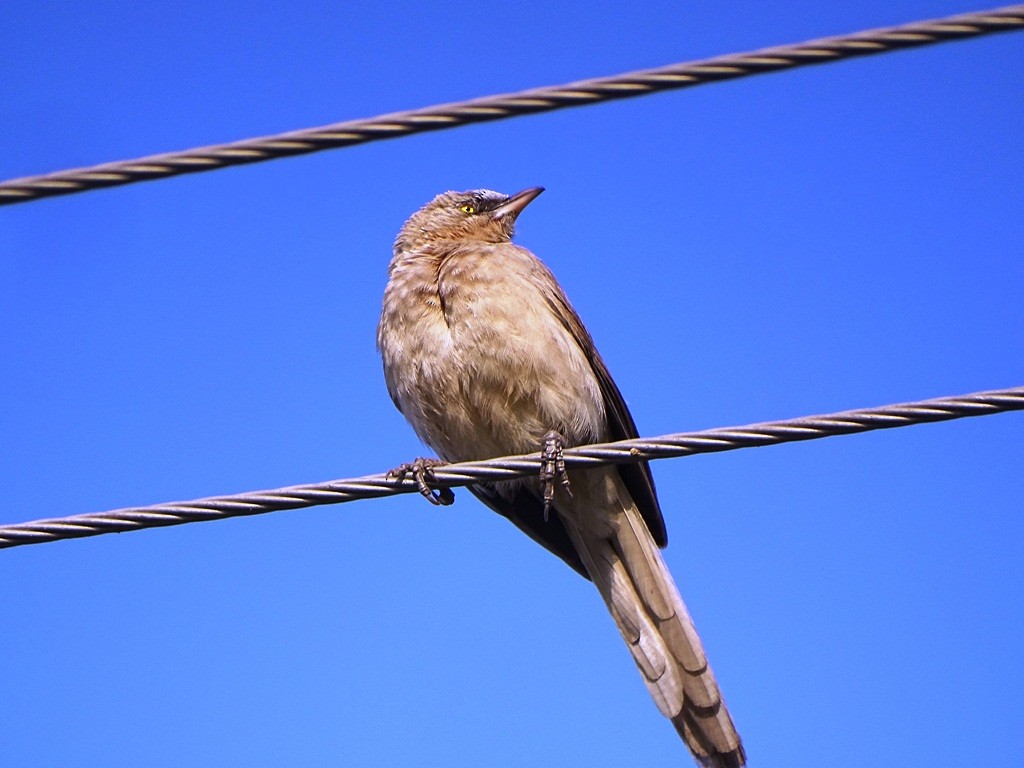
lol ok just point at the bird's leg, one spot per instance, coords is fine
(422, 471)
(552, 466)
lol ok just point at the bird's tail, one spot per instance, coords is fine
(628, 569)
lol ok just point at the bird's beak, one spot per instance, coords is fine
(515, 204)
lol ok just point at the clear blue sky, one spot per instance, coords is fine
(821, 239)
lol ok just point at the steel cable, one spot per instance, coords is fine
(486, 108)
(511, 467)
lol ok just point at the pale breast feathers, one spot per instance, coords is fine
(480, 313)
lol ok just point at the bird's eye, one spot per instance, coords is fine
(467, 208)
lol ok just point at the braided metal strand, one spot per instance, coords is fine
(507, 468)
(509, 105)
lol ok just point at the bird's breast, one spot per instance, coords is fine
(479, 360)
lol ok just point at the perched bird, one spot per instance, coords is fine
(485, 357)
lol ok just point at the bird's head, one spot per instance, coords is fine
(479, 216)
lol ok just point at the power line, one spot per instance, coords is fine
(508, 468)
(498, 107)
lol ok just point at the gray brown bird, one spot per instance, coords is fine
(485, 357)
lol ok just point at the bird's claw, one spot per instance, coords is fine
(552, 466)
(422, 471)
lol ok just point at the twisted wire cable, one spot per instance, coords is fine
(486, 108)
(511, 467)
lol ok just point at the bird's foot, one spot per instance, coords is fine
(422, 471)
(552, 467)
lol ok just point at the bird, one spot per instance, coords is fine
(484, 356)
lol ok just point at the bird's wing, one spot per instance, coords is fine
(636, 477)
(525, 509)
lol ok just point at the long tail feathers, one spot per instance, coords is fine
(628, 569)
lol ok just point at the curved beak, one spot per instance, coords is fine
(515, 204)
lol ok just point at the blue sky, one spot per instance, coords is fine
(809, 241)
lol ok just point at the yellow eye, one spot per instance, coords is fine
(467, 208)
